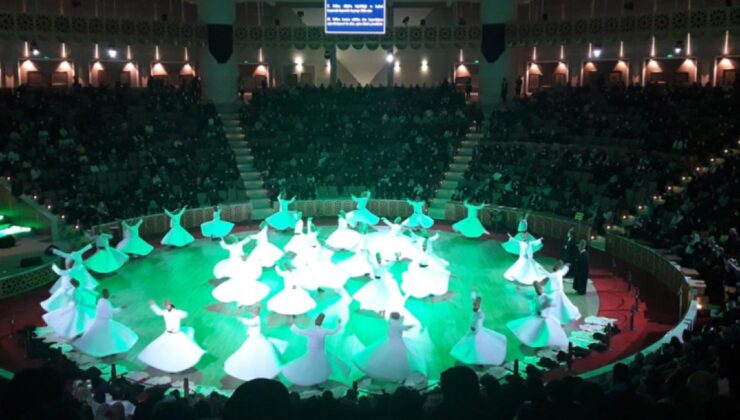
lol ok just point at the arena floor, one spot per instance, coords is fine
(185, 276)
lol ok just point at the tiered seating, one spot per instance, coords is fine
(97, 155)
(337, 141)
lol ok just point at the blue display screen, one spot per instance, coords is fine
(354, 16)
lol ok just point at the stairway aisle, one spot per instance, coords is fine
(455, 173)
(236, 135)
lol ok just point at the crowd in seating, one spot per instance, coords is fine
(96, 155)
(396, 142)
(669, 173)
(691, 119)
(696, 378)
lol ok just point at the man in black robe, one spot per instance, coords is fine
(569, 252)
(580, 269)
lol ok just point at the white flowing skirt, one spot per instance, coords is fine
(266, 254)
(216, 228)
(291, 301)
(470, 227)
(561, 308)
(484, 347)
(70, 321)
(236, 267)
(538, 331)
(106, 260)
(365, 216)
(135, 246)
(106, 337)
(392, 247)
(57, 300)
(173, 352)
(256, 358)
(244, 292)
(357, 265)
(347, 239)
(391, 360)
(80, 273)
(282, 220)
(315, 368)
(525, 271)
(421, 282)
(419, 220)
(177, 236)
(380, 295)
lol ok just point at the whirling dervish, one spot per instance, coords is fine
(132, 243)
(106, 259)
(315, 366)
(216, 228)
(264, 252)
(560, 308)
(361, 262)
(539, 329)
(236, 264)
(393, 358)
(77, 316)
(425, 276)
(105, 335)
(470, 226)
(242, 286)
(78, 271)
(526, 270)
(293, 299)
(480, 346)
(381, 294)
(283, 218)
(512, 245)
(258, 357)
(418, 219)
(361, 215)
(175, 350)
(177, 235)
(344, 238)
(59, 296)
(392, 244)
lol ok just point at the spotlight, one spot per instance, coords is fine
(406, 20)
(389, 58)
(597, 50)
(679, 47)
(112, 52)
(35, 51)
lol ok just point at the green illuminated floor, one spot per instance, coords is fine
(185, 276)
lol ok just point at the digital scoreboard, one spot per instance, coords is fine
(354, 17)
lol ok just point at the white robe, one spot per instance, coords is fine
(526, 270)
(480, 346)
(560, 308)
(315, 366)
(106, 336)
(392, 359)
(256, 358)
(175, 350)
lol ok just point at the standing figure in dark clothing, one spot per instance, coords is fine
(504, 90)
(518, 86)
(580, 269)
(569, 251)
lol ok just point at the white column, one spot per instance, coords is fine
(219, 80)
(491, 74)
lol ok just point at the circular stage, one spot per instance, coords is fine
(185, 276)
